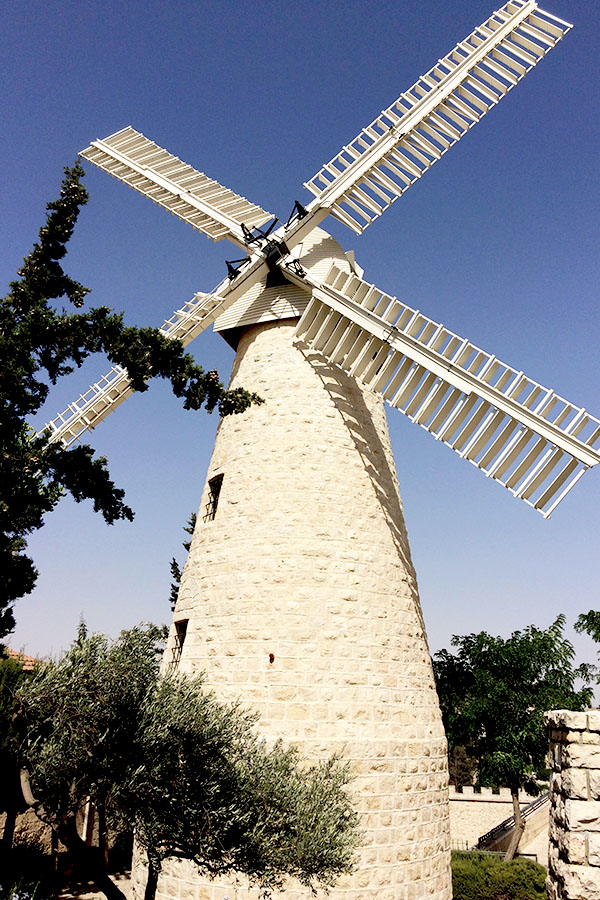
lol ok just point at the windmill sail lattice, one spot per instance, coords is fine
(395, 150)
(113, 388)
(519, 433)
(200, 201)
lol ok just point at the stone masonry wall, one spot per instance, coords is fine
(300, 599)
(574, 850)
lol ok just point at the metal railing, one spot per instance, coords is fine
(509, 823)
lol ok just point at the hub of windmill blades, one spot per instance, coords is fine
(275, 252)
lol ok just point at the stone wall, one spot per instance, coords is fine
(574, 849)
(299, 598)
(31, 831)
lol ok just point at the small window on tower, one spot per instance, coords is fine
(214, 490)
(180, 633)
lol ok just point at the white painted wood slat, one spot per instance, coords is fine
(509, 426)
(395, 150)
(154, 172)
(112, 389)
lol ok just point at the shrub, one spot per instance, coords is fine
(478, 875)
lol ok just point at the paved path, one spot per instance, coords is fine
(88, 891)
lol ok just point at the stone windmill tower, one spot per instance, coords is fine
(299, 595)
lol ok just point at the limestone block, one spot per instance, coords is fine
(574, 783)
(566, 719)
(554, 830)
(555, 783)
(582, 815)
(554, 860)
(594, 784)
(553, 889)
(558, 810)
(583, 756)
(593, 839)
(573, 847)
(594, 719)
(580, 882)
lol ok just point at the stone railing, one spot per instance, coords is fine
(485, 794)
(574, 848)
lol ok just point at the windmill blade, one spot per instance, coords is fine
(201, 202)
(112, 389)
(517, 432)
(391, 153)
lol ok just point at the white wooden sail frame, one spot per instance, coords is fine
(402, 143)
(187, 193)
(521, 434)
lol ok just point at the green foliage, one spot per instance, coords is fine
(486, 876)
(175, 568)
(493, 693)
(81, 714)
(11, 676)
(161, 756)
(268, 816)
(590, 623)
(461, 767)
(39, 343)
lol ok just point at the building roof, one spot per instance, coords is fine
(28, 662)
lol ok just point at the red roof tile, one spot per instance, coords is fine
(28, 662)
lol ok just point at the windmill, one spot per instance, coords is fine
(299, 594)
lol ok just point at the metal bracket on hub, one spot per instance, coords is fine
(257, 235)
(274, 252)
(295, 266)
(234, 266)
(297, 213)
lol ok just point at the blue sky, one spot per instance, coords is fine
(499, 241)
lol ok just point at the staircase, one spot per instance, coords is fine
(492, 840)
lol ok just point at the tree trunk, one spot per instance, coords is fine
(54, 850)
(89, 858)
(87, 831)
(519, 826)
(152, 881)
(13, 800)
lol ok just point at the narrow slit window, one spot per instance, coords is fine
(214, 491)
(180, 633)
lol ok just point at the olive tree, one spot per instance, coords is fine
(159, 755)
